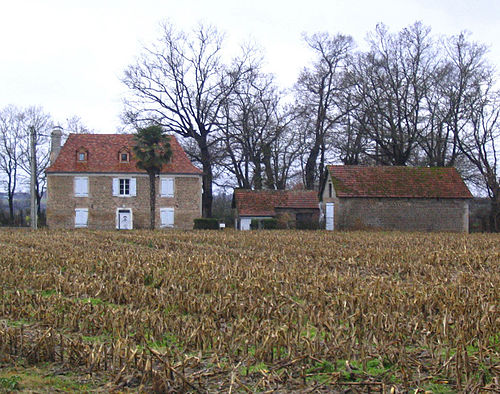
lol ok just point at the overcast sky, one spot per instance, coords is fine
(68, 55)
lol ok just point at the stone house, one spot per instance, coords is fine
(394, 198)
(93, 182)
(293, 207)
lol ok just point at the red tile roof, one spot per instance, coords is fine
(397, 181)
(103, 155)
(264, 202)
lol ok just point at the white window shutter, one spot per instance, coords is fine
(163, 187)
(167, 217)
(167, 187)
(81, 185)
(81, 217)
(85, 187)
(116, 187)
(170, 187)
(133, 187)
(163, 217)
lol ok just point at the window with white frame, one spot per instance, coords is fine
(81, 217)
(166, 187)
(81, 186)
(166, 217)
(124, 187)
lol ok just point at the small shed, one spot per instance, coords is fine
(394, 198)
(294, 208)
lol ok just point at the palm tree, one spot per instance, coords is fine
(152, 150)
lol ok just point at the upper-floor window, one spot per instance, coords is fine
(81, 186)
(166, 187)
(82, 154)
(124, 155)
(124, 187)
(330, 190)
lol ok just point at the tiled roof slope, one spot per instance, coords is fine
(103, 155)
(397, 181)
(264, 202)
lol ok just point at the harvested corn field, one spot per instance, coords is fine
(211, 311)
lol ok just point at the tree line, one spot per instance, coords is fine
(410, 98)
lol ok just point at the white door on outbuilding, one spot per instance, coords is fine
(329, 216)
(245, 223)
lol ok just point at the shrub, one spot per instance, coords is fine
(307, 225)
(206, 224)
(265, 224)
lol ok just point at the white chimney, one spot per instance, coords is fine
(55, 143)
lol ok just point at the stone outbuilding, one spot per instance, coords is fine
(93, 182)
(293, 208)
(394, 198)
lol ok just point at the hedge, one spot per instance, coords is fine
(206, 224)
(266, 224)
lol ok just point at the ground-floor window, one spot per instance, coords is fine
(81, 217)
(166, 217)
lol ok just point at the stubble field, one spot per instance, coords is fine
(229, 311)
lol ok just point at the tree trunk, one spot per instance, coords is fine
(206, 162)
(11, 188)
(495, 213)
(311, 167)
(257, 177)
(152, 200)
(270, 182)
(10, 197)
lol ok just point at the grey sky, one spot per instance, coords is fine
(68, 55)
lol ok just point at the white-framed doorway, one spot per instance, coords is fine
(124, 219)
(329, 217)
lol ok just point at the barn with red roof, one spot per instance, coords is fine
(93, 182)
(394, 198)
(293, 208)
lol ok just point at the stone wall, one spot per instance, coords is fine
(404, 214)
(102, 205)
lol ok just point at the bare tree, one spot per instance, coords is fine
(479, 141)
(317, 92)
(182, 83)
(76, 125)
(41, 122)
(252, 114)
(11, 131)
(282, 155)
(393, 78)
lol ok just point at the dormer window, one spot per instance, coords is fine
(81, 155)
(124, 155)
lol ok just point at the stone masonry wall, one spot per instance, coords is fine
(102, 205)
(404, 214)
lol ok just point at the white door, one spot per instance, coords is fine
(124, 219)
(245, 223)
(329, 215)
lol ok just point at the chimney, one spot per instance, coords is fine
(55, 143)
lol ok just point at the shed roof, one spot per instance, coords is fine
(265, 202)
(103, 155)
(397, 182)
